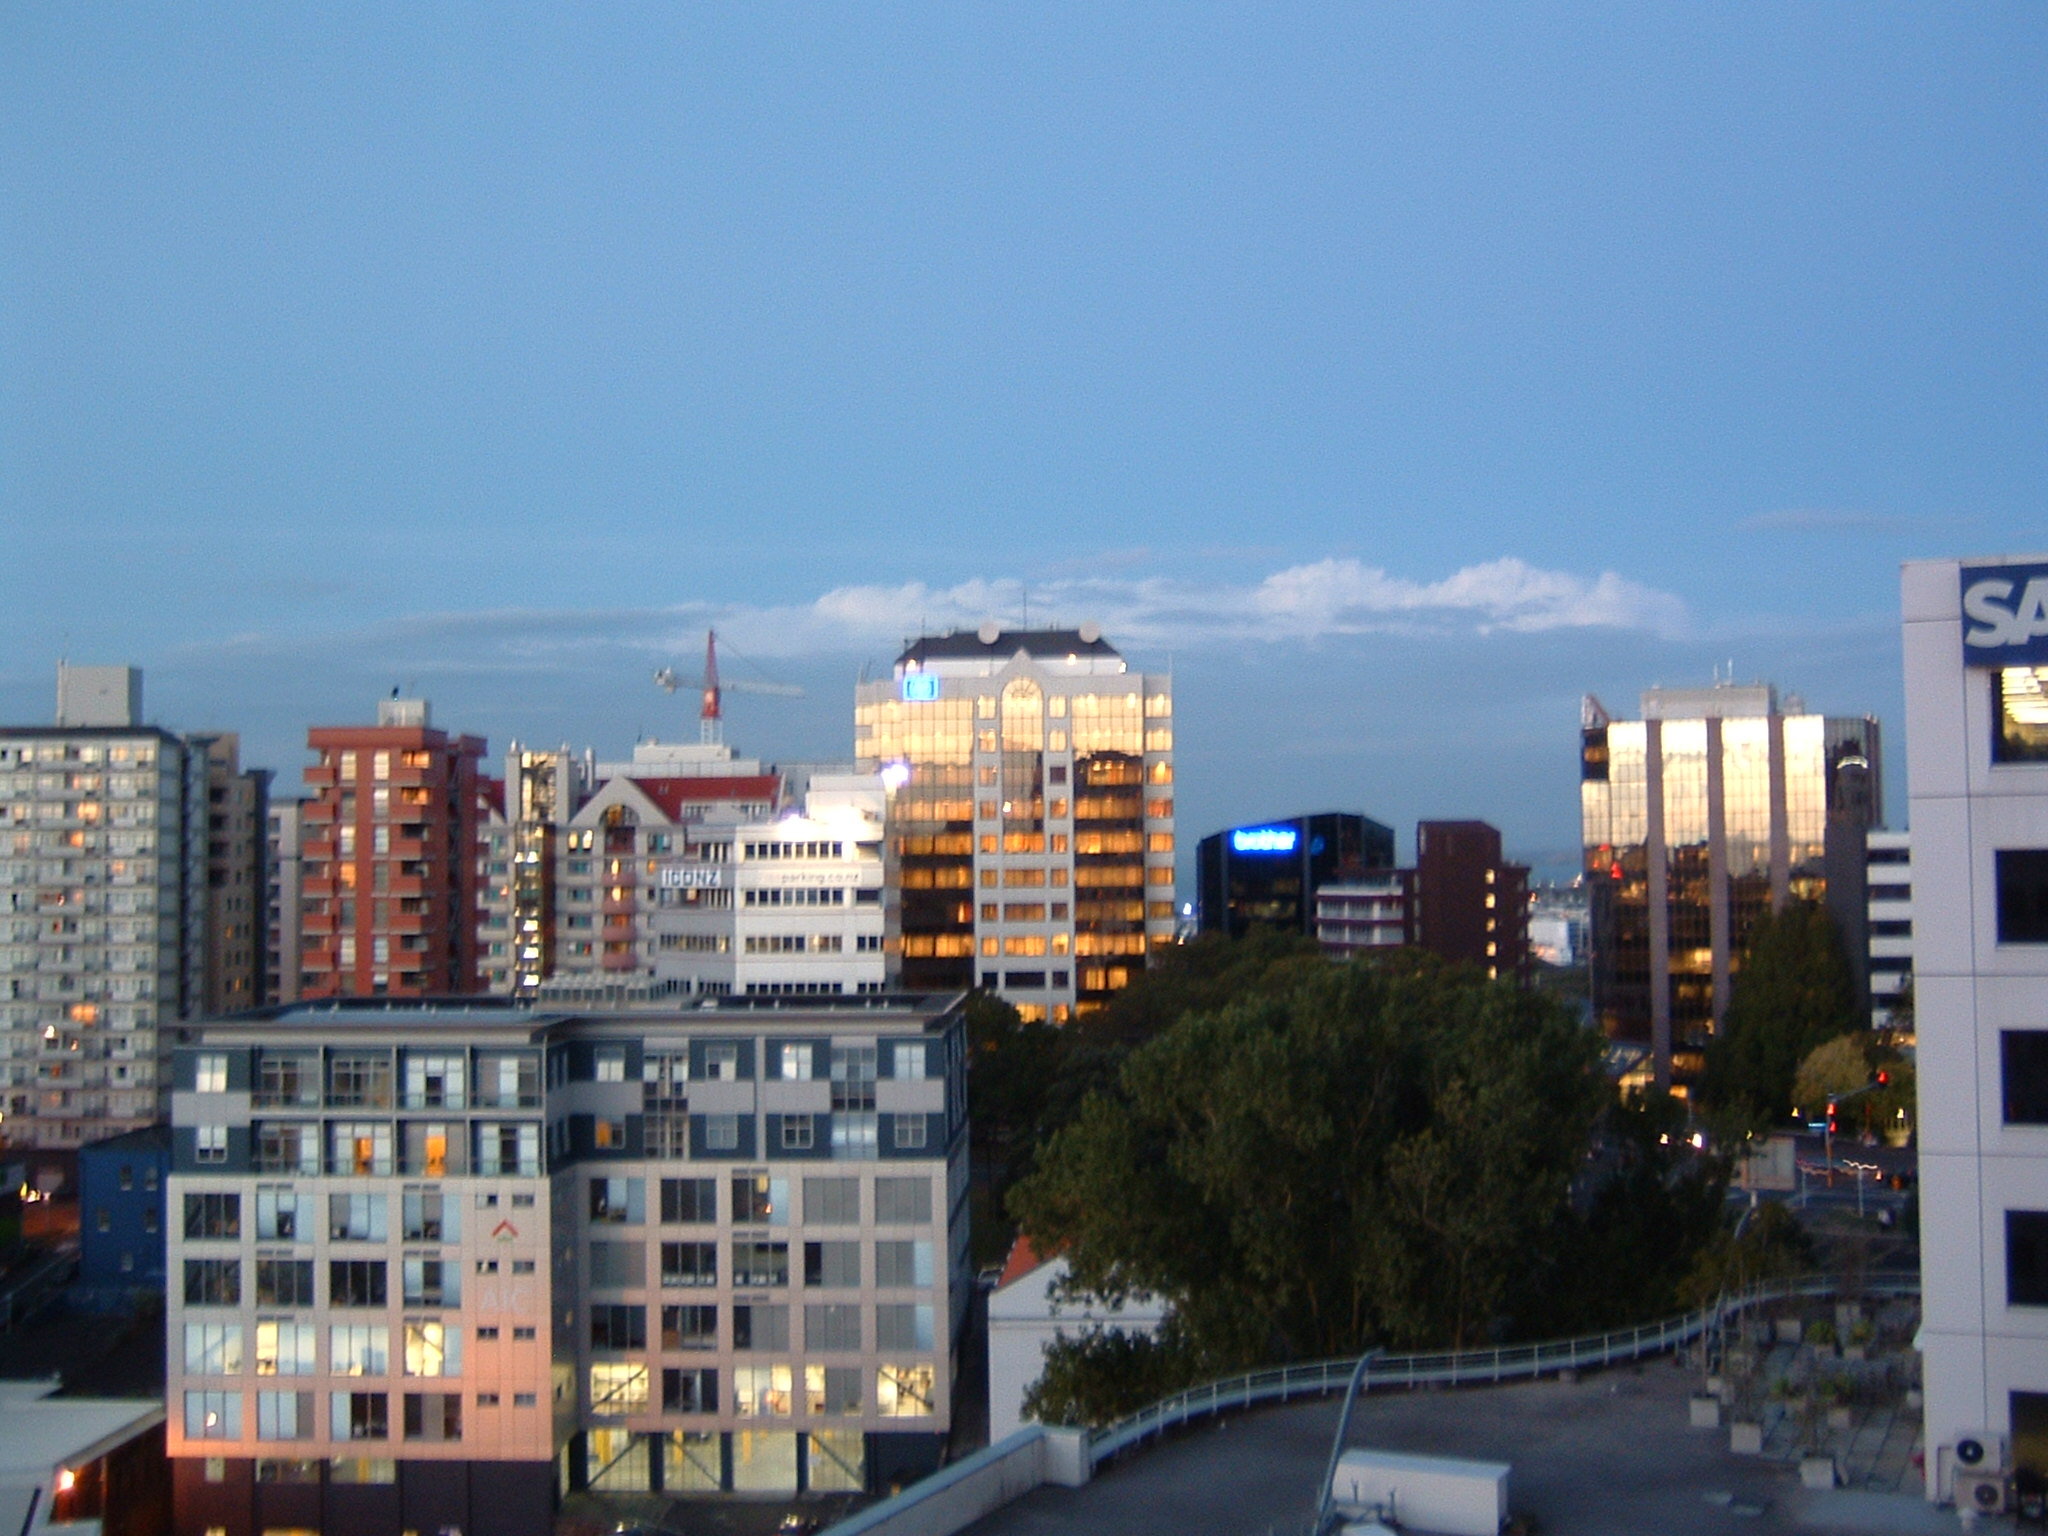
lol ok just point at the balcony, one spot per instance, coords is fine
(624, 960)
(622, 905)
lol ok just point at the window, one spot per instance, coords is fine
(611, 1064)
(757, 1198)
(617, 1327)
(2026, 1258)
(832, 1202)
(356, 1283)
(210, 1075)
(757, 1263)
(504, 1148)
(2022, 895)
(359, 1080)
(213, 1282)
(689, 1264)
(905, 1391)
(618, 1200)
(689, 1391)
(212, 1216)
(359, 1147)
(284, 1415)
(288, 1149)
(832, 1264)
(285, 1348)
(689, 1327)
(277, 1215)
(2021, 696)
(433, 1416)
(853, 1077)
(361, 1416)
(213, 1415)
(609, 1134)
(2024, 1054)
(853, 1135)
(761, 1391)
(355, 1218)
(689, 1200)
(903, 1326)
(210, 1144)
(618, 1387)
(359, 1469)
(909, 1060)
(833, 1326)
(431, 1217)
(359, 1349)
(435, 1082)
(829, 1389)
(522, 1335)
(902, 1200)
(721, 1063)
(909, 1132)
(432, 1281)
(793, 1062)
(760, 1326)
(618, 1265)
(433, 1349)
(798, 1133)
(213, 1349)
(900, 1264)
(721, 1133)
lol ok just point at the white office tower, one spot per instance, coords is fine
(783, 907)
(1976, 659)
(103, 909)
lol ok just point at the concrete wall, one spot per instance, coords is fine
(954, 1499)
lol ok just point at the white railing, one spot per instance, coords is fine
(1520, 1362)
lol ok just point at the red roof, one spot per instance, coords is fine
(1022, 1260)
(672, 795)
(491, 792)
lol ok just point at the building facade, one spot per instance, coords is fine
(1713, 809)
(1031, 844)
(1888, 929)
(283, 894)
(121, 1184)
(237, 876)
(1471, 904)
(1976, 673)
(572, 848)
(432, 1264)
(103, 898)
(1267, 874)
(389, 888)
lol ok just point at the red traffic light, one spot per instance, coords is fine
(1883, 1078)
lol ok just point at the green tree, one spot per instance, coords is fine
(1831, 1069)
(1793, 992)
(1356, 1154)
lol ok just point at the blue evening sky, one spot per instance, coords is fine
(1394, 373)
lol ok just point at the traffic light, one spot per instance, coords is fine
(1831, 1117)
(1883, 1078)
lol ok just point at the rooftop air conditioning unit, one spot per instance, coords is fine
(1979, 1450)
(1988, 1493)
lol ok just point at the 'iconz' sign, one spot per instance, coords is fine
(2005, 615)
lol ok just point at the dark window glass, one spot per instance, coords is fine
(356, 1283)
(213, 1282)
(2023, 896)
(2024, 1063)
(616, 1327)
(689, 1200)
(284, 1282)
(2026, 1258)
(689, 1327)
(689, 1391)
(213, 1216)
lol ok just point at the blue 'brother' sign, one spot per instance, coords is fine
(2005, 615)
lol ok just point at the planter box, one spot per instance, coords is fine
(1817, 1472)
(1706, 1412)
(1746, 1439)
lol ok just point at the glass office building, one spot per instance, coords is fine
(1714, 808)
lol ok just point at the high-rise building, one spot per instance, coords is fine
(432, 1263)
(283, 893)
(388, 868)
(1031, 826)
(1267, 874)
(1976, 674)
(1888, 927)
(1714, 808)
(237, 876)
(1471, 904)
(572, 848)
(103, 896)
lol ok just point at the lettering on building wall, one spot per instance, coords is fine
(2005, 615)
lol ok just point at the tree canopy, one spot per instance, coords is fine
(1347, 1155)
(1792, 993)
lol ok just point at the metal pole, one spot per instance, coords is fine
(1343, 1431)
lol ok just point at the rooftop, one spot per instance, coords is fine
(991, 643)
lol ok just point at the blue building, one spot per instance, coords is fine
(121, 1217)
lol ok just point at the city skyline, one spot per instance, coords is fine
(1394, 379)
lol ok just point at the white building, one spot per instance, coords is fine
(1976, 674)
(788, 907)
(1889, 895)
(103, 910)
(1027, 1315)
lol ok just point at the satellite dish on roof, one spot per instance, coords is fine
(989, 632)
(1090, 632)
